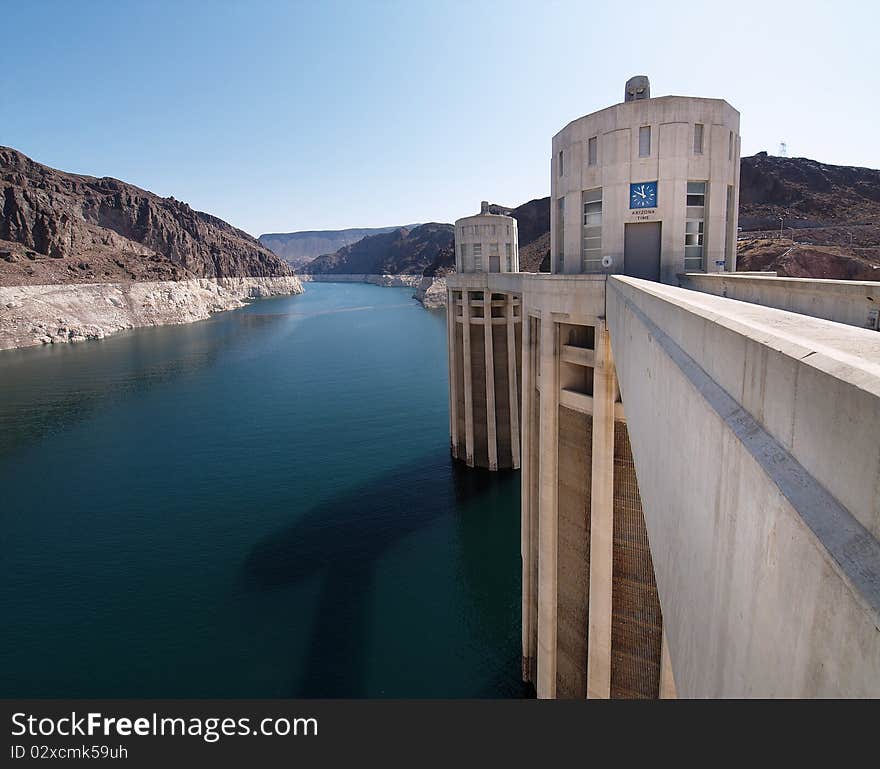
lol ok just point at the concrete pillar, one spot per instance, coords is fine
(513, 399)
(547, 514)
(528, 652)
(667, 681)
(491, 434)
(601, 519)
(454, 355)
(468, 388)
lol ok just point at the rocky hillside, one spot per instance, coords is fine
(830, 219)
(57, 227)
(805, 193)
(533, 230)
(299, 248)
(403, 251)
(428, 249)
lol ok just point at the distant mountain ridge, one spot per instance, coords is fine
(428, 249)
(402, 251)
(58, 227)
(299, 248)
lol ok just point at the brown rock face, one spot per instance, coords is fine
(403, 251)
(57, 227)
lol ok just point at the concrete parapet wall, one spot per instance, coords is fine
(754, 435)
(856, 303)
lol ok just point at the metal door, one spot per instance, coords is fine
(641, 250)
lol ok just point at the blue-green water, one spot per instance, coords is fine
(257, 505)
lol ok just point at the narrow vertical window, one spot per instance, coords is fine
(730, 147)
(698, 138)
(592, 230)
(560, 234)
(593, 151)
(559, 162)
(463, 251)
(478, 257)
(695, 224)
(645, 141)
(508, 254)
(729, 235)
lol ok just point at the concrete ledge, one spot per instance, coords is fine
(856, 303)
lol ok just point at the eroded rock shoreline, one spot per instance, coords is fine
(74, 312)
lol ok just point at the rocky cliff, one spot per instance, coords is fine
(74, 312)
(403, 251)
(57, 227)
(82, 257)
(299, 248)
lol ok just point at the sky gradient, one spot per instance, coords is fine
(283, 116)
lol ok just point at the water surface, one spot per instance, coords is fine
(257, 505)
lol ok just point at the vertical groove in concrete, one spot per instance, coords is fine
(479, 393)
(601, 519)
(461, 447)
(547, 526)
(573, 555)
(534, 497)
(468, 380)
(636, 625)
(525, 504)
(491, 438)
(513, 396)
(500, 355)
(453, 356)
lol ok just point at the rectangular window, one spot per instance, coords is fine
(508, 254)
(463, 252)
(592, 230)
(698, 138)
(593, 151)
(694, 229)
(559, 162)
(493, 249)
(560, 235)
(730, 147)
(696, 194)
(693, 245)
(645, 141)
(478, 256)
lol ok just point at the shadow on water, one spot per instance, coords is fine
(341, 540)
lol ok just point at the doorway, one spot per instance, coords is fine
(641, 250)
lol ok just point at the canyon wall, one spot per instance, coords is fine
(73, 312)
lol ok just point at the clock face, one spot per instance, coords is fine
(643, 195)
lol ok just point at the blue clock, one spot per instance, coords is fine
(643, 195)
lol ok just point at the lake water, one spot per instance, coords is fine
(258, 505)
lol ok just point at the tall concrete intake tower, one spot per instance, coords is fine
(485, 335)
(698, 447)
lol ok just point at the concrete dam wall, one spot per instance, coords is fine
(700, 475)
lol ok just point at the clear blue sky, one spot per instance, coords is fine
(281, 116)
